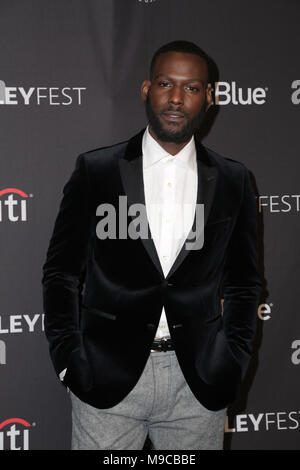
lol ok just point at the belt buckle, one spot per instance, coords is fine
(164, 344)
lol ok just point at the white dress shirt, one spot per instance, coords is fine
(170, 185)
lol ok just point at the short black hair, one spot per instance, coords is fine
(181, 46)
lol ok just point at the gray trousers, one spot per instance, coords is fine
(161, 405)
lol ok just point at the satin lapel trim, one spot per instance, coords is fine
(132, 178)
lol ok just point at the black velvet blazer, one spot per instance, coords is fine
(103, 297)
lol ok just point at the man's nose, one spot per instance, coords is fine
(176, 96)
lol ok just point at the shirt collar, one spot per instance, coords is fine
(153, 153)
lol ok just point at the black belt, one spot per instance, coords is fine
(163, 344)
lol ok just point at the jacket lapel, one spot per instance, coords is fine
(207, 178)
(131, 171)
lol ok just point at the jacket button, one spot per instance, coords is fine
(178, 326)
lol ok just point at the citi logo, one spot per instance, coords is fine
(230, 93)
(13, 205)
(14, 434)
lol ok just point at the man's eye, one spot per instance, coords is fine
(193, 88)
(163, 84)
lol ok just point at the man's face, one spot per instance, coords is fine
(177, 97)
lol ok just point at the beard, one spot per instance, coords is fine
(172, 134)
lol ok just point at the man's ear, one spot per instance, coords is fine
(209, 96)
(145, 88)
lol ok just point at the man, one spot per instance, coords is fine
(133, 317)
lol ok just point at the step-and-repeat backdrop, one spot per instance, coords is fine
(70, 75)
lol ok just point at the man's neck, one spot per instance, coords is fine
(171, 147)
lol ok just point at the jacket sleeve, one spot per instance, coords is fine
(64, 269)
(242, 281)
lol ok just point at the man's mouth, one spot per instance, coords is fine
(173, 115)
